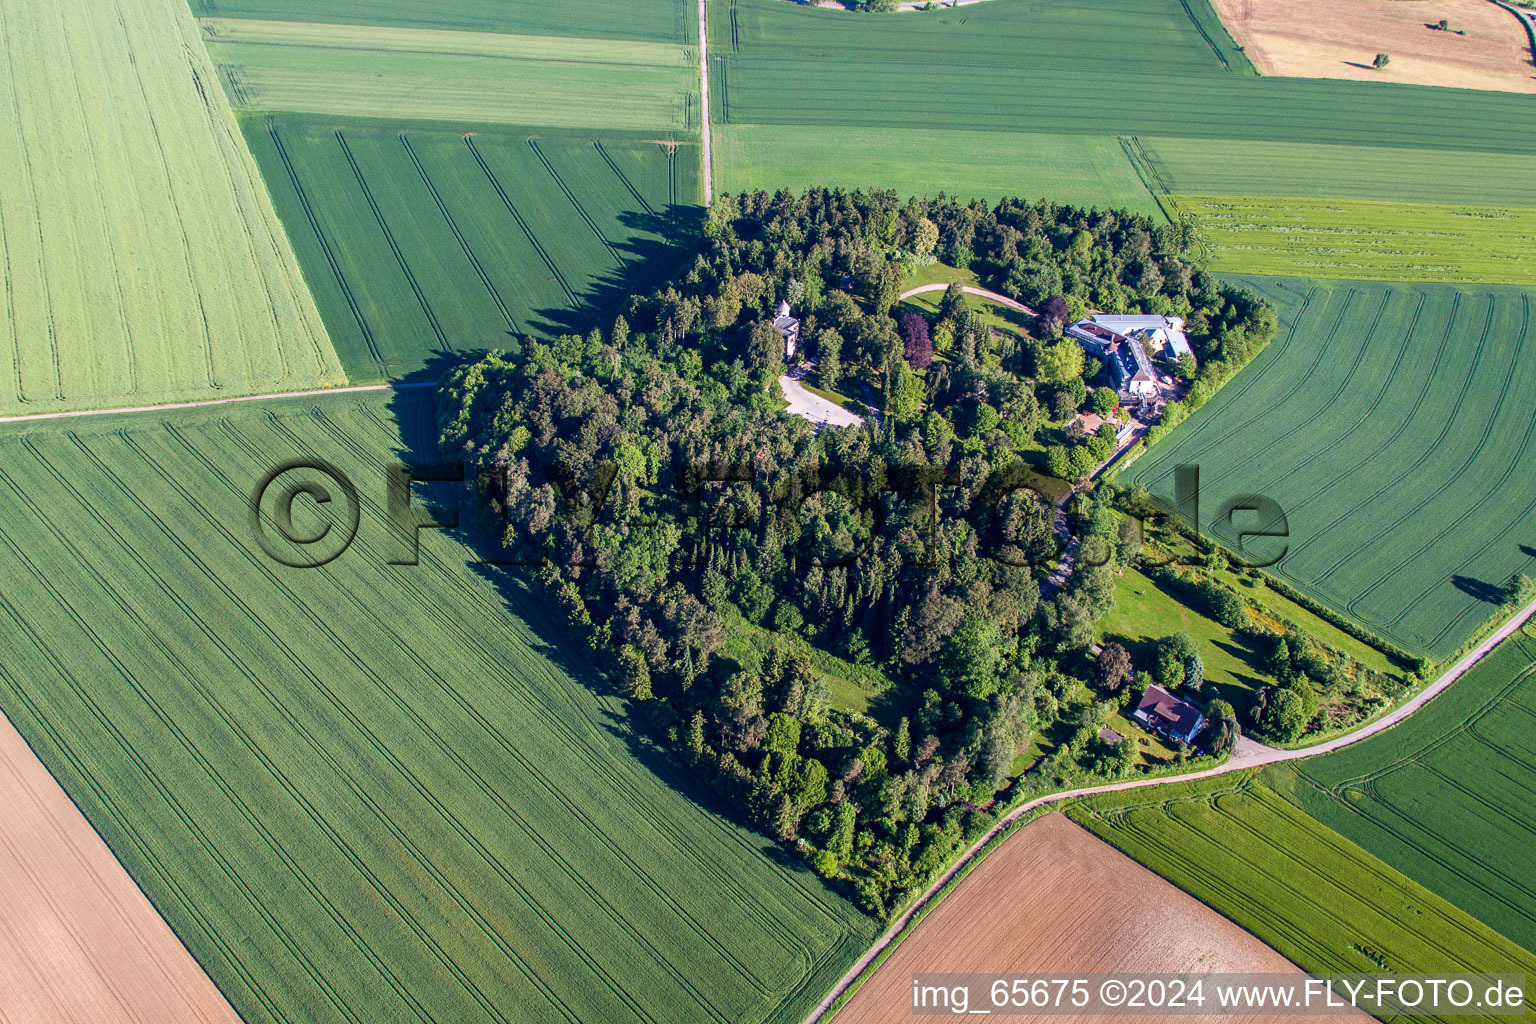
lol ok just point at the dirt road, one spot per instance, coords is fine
(1001, 300)
(709, 183)
(78, 940)
(1249, 754)
(39, 416)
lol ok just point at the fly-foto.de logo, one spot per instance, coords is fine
(305, 513)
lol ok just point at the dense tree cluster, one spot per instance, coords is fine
(648, 473)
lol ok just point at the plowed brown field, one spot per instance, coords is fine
(1339, 39)
(78, 940)
(1055, 898)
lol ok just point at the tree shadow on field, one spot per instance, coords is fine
(416, 412)
(650, 256)
(1492, 593)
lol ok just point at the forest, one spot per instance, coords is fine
(647, 476)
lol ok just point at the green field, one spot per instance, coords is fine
(1446, 796)
(397, 73)
(1087, 170)
(671, 20)
(143, 261)
(1267, 168)
(369, 792)
(1393, 425)
(422, 239)
(1366, 240)
(1318, 899)
(1051, 37)
(1098, 68)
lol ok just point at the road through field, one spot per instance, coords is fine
(709, 183)
(76, 414)
(78, 940)
(1249, 754)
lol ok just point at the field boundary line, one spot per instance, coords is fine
(709, 183)
(597, 144)
(1248, 755)
(533, 144)
(313, 392)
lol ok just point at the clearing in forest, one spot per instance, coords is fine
(142, 259)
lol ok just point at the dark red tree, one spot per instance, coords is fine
(914, 335)
(1054, 310)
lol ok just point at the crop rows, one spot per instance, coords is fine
(1361, 239)
(1323, 902)
(1243, 167)
(1388, 424)
(421, 241)
(534, 93)
(661, 20)
(1445, 797)
(142, 260)
(1103, 34)
(779, 85)
(395, 794)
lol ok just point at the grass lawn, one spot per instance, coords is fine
(856, 689)
(998, 317)
(1276, 603)
(1144, 612)
(934, 273)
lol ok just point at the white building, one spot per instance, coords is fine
(790, 328)
(1124, 357)
(1162, 336)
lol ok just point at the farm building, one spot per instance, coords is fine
(1163, 713)
(1124, 357)
(790, 328)
(1162, 336)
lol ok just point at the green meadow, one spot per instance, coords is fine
(1085, 170)
(1368, 240)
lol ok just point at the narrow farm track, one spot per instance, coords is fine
(709, 180)
(79, 413)
(1249, 754)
